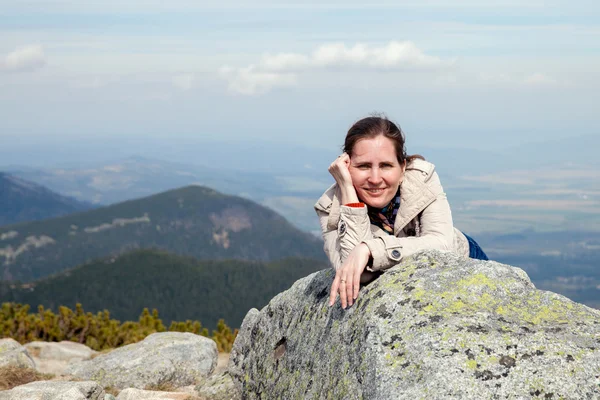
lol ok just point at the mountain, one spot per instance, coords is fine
(22, 201)
(179, 287)
(292, 194)
(195, 221)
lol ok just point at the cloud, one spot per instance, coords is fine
(535, 79)
(24, 59)
(394, 55)
(93, 82)
(282, 69)
(539, 79)
(183, 82)
(251, 81)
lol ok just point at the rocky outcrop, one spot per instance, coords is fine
(435, 326)
(55, 390)
(54, 358)
(13, 353)
(174, 358)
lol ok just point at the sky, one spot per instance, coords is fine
(479, 74)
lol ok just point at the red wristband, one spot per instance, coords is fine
(355, 205)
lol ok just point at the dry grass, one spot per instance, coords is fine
(162, 387)
(11, 376)
(34, 351)
(111, 390)
(100, 353)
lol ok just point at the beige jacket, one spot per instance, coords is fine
(424, 221)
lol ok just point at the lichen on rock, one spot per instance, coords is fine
(434, 326)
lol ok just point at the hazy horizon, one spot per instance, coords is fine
(459, 74)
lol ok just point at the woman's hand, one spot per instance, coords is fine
(340, 171)
(347, 277)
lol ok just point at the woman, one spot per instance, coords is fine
(384, 206)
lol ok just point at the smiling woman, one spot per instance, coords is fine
(385, 205)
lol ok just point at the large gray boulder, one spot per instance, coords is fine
(174, 358)
(436, 326)
(13, 353)
(55, 390)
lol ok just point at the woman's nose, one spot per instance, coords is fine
(375, 175)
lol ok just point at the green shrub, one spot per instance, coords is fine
(98, 331)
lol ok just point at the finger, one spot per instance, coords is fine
(356, 284)
(349, 291)
(334, 290)
(343, 296)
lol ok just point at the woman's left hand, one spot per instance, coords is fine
(347, 277)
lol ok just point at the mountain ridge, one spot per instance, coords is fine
(24, 201)
(194, 220)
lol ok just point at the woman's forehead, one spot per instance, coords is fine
(379, 147)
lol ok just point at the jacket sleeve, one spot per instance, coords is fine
(436, 232)
(353, 228)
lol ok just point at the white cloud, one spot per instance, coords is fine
(183, 82)
(93, 82)
(97, 6)
(285, 62)
(394, 55)
(539, 79)
(23, 59)
(282, 69)
(535, 79)
(250, 81)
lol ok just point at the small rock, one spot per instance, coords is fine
(138, 394)
(13, 353)
(218, 387)
(54, 358)
(55, 390)
(174, 358)
(61, 351)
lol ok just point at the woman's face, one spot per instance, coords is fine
(375, 171)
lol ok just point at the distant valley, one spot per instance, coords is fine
(565, 262)
(544, 198)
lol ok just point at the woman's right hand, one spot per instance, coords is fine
(340, 170)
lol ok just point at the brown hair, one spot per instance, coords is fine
(376, 125)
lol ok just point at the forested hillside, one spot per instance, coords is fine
(21, 201)
(180, 287)
(194, 221)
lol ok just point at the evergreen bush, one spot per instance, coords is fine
(99, 331)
